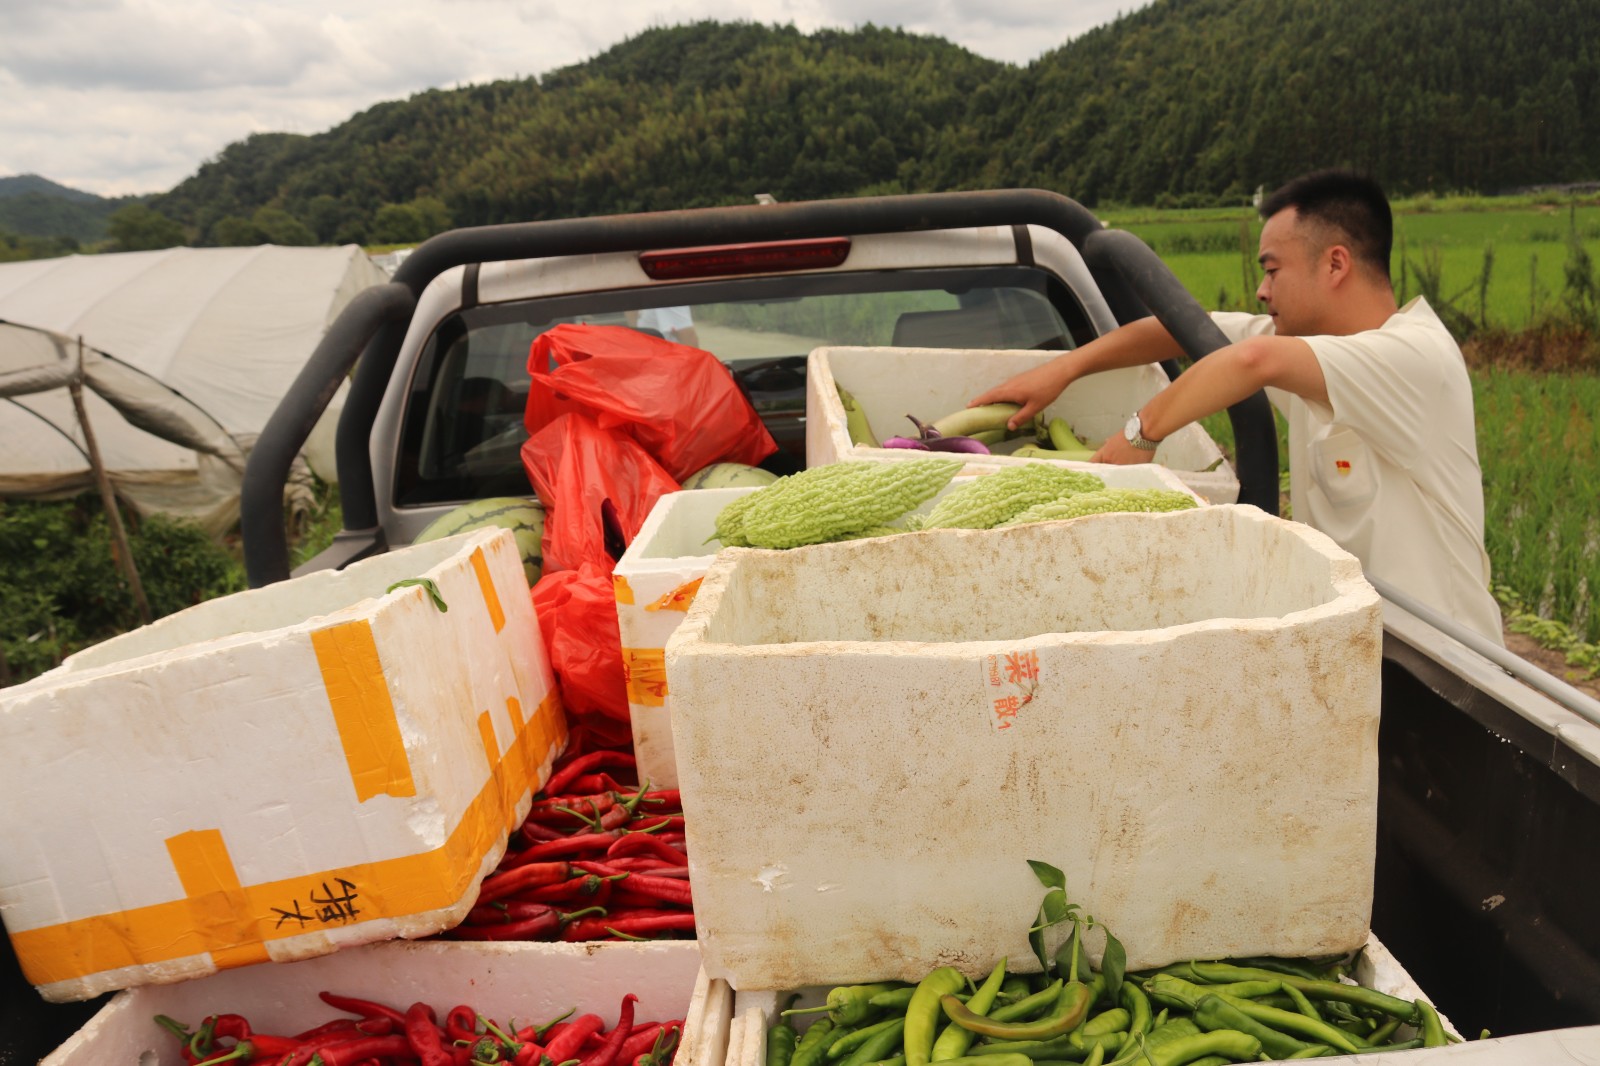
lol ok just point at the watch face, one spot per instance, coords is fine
(1131, 430)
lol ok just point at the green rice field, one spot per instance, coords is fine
(1503, 266)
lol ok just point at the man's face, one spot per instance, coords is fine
(1291, 287)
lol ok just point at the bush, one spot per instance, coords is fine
(64, 591)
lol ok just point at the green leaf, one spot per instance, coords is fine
(427, 585)
(1048, 875)
(1113, 964)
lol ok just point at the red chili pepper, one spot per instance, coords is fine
(586, 802)
(533, 833)
(648, 864)
(547, 927)
(532, 875)
(599, 783)
(641, 1039)
(670, 889)
(644, 844)
(606, 1054)
(663, 799)
(382, 1048)
(567, 847)
(566, 1040)
(364, 1007)
(528, 1055)
(622, 924)
(424, 1038)
(461, 1023)
(506, 911)
(648, 823)
(603, 758)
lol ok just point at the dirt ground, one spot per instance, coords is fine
(1552, 662)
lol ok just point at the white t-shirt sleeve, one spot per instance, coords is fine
(1381, 384)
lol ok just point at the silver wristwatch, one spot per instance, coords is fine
(1134, 431)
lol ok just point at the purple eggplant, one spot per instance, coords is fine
(906, 442)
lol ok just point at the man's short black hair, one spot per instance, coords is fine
(1350, 203)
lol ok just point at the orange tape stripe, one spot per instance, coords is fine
(491, 598)
(410, 884)
(644, 672)
(679, 599)
(216, 900)
(621, 589)
(352, 674)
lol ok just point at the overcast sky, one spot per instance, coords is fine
(131, 96)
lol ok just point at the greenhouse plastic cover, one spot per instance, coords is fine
(185, 353)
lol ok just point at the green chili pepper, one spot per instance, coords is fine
(1290, 1022)
(1071, 1047)
(955, 1040)
(1160, 1035)
(1030, 1007)
(813, 1043)
(1383, 1032)
(1107, 1021)
(990, 1060)
(898, 1000)
(1230, 1044)
(1137, 1005)
(849, 1004)
(884, 1039)
(1313, 1051)
(1174, 991)
(1013, 988)
(1356, 995)
(1301, 1003)
(1215, 1013)
(1072, 1006)
(780, 1040)
(1096, 1056)
(846, 1043)
(1432, 1028)
(922, 1015)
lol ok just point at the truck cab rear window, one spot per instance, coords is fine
(462, 426)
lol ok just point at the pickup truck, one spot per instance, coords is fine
(1489, 803)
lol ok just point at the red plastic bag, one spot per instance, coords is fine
(680, 403)
(575, 467)
(577, 611)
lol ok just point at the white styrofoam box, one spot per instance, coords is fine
(756, 1012)
(655, 582)
(275, 774)
(657, 576)
(890, 383)
(511, 983)
(874, 736)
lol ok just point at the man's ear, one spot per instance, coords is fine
(1339, 263)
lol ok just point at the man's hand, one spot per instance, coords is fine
(1034, 389)
(1117, 450)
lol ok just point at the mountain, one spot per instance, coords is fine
(1180, 102)
(32, 206)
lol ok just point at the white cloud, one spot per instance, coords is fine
(131, 96)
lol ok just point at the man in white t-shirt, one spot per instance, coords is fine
(1382, 449)
(673, 323)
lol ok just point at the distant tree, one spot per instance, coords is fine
(138, 228)
(235, 232)
(398, 224)
(278, 226)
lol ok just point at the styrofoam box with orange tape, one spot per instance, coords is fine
(275, 774)
(756, 1012)
(655, 582)
(1130, 697)
(890, 383)
(511, 983)
(656, 579)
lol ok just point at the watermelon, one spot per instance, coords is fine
(523, 516)
(728, 476)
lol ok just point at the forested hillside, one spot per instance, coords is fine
(1182, 102)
